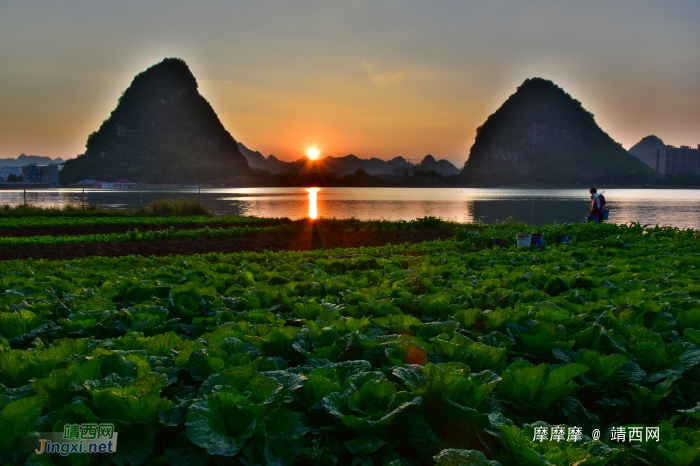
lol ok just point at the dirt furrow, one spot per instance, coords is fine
(304, 241)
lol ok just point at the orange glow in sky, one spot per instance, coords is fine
(312, 153)
(382, 88)
(313, 213)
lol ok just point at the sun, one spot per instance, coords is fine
(312, 153)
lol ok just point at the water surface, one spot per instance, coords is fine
(678, 207)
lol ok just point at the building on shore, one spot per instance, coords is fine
(124, 184)
(40, 174)
(7, 171)
(670, 160)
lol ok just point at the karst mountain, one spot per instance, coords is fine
(162, 131)
(542, 137)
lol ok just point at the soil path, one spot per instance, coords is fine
(304, 241)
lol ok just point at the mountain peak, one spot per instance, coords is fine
(645, 149)
(162, 131)
(170, 70)
(542, 136)
(428, 160)
(652, 140)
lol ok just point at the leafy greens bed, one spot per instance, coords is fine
(446, 352)
(155, 235)
(253, 228)
(67, 221)
(57, 221)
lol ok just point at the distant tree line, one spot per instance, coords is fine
(682, 179)
(359, 179)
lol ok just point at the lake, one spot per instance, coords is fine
(678, 207)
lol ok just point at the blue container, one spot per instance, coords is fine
(523, 240)
(563, 239)
(536, 240)
(606, 212)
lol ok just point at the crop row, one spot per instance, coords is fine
(171, 233)
(52, 222)
(394, 355)
(352, 224)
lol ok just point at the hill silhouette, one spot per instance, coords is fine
(275, 165)
(541, 136)
(24, 159)
(645, 149)
(342, 166)
(162, 131)
(442, 166)
(257, 160)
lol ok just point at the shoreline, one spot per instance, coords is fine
(194, 188)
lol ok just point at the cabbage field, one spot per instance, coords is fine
(446, 352)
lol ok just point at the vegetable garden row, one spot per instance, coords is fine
(285, 227)
(371, 225)
(449, 352)
(171, 233)
(48, 222)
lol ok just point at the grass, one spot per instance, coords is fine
(159, 207)
(69, 210)
(168, 206)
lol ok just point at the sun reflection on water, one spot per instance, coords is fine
(313, 213)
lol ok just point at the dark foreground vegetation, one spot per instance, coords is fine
(447, 352)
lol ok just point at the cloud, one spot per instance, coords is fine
(381, 78)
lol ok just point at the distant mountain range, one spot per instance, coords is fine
(27, 159)
(345, 165)
(541, 136)
(257, 160)
(645, 149)
(440, 166)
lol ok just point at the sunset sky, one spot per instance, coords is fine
(371, 78)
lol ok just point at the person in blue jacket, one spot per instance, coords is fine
(597, 204)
